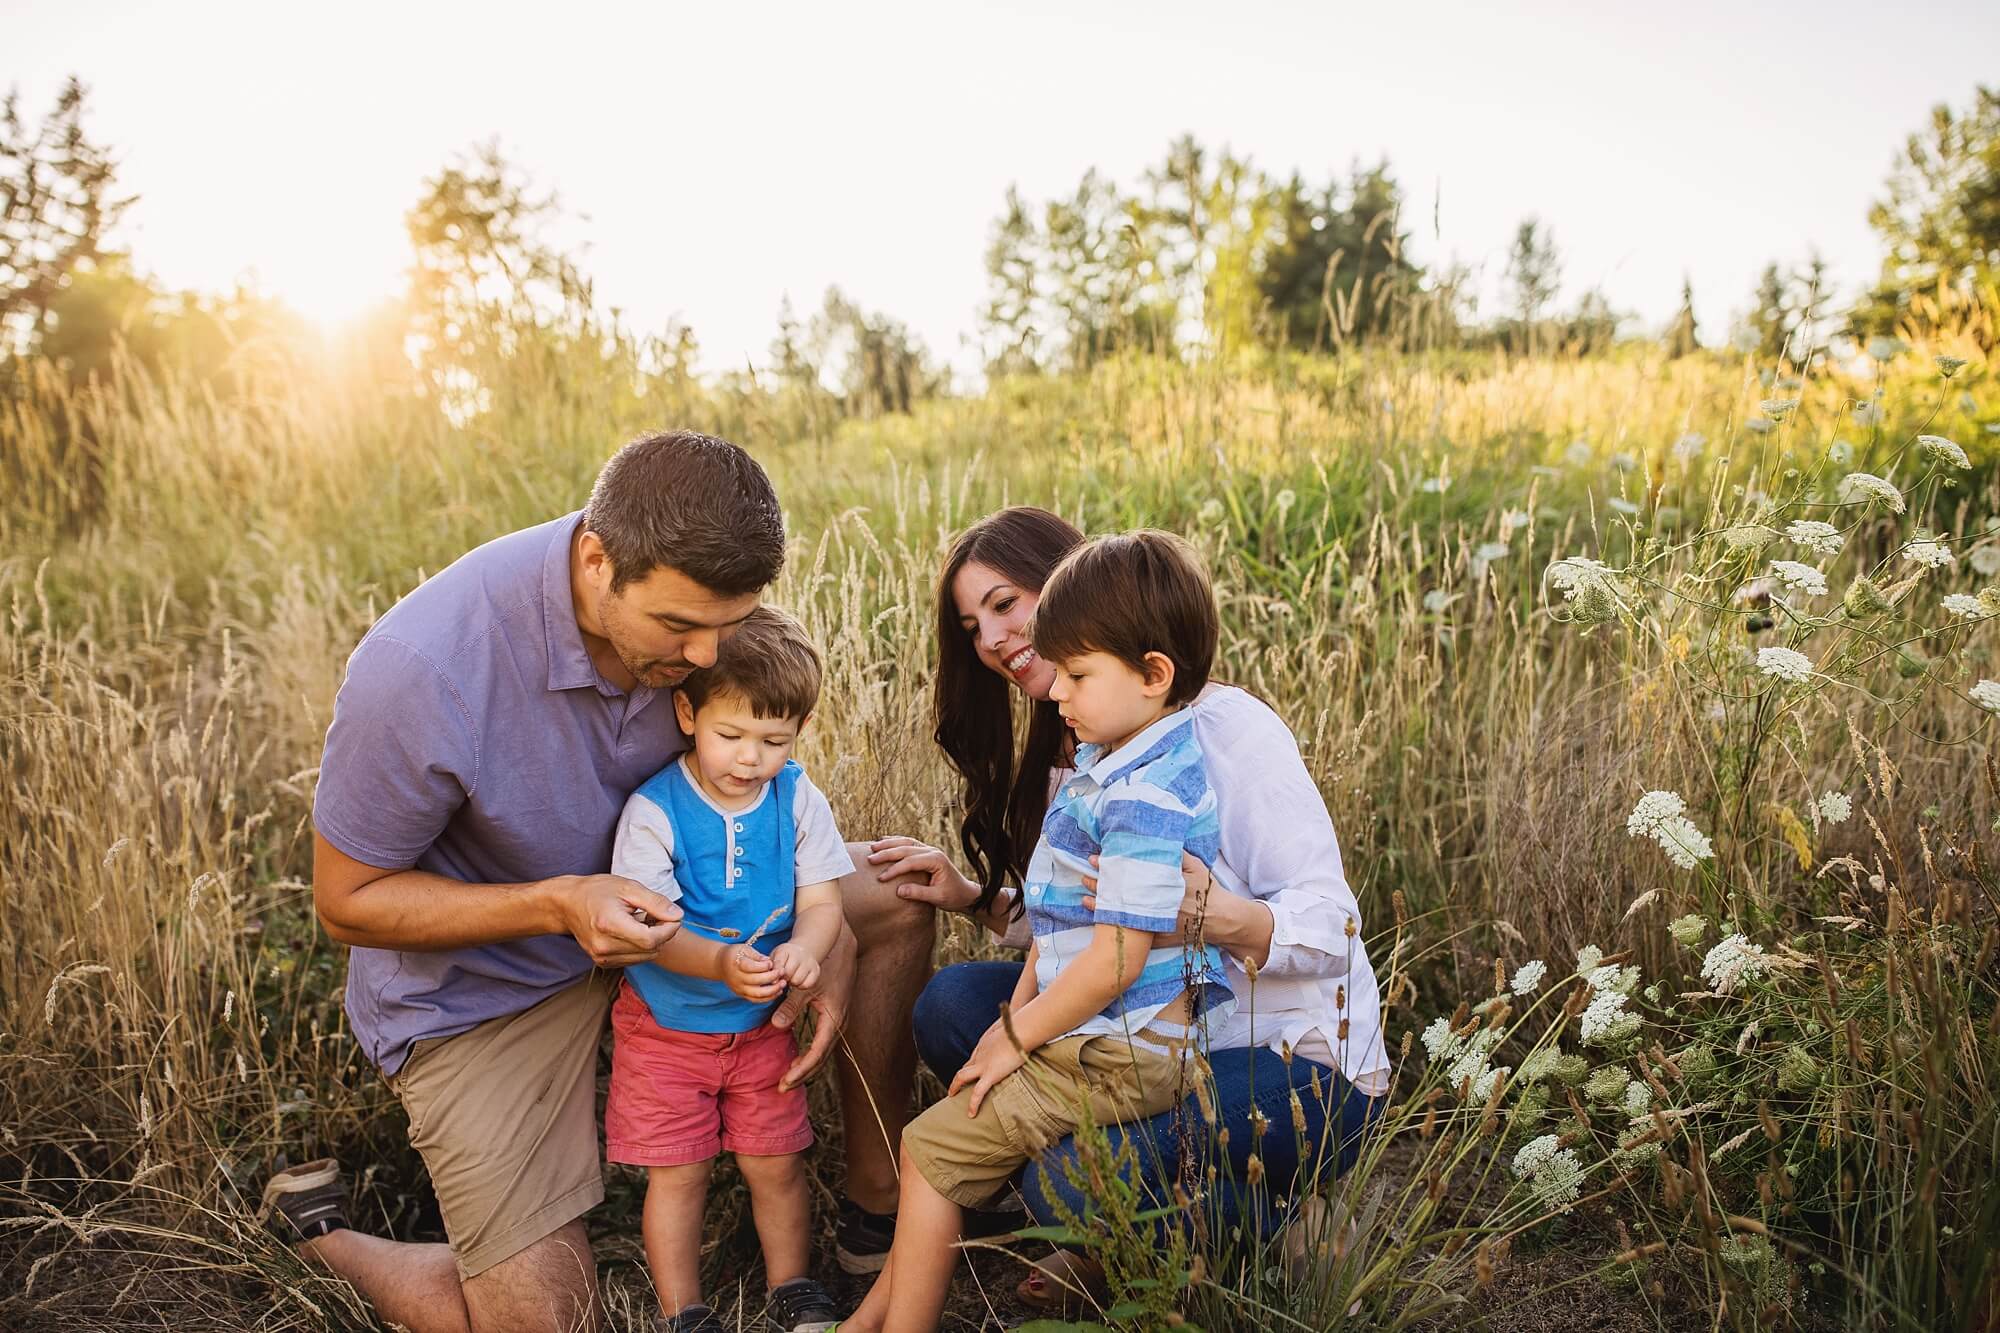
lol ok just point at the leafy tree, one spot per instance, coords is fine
(1787, 312)
(1682, 337)
(1534, 270)
(56, 204)
(1334, 268)
(1940, 217)
(879, 365)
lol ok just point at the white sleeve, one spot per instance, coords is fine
(644, 847)
(822, 853)
(1277, 839)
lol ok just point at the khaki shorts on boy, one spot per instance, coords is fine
(968, 1159)
(505, 1116)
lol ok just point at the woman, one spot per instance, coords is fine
(1279, 903)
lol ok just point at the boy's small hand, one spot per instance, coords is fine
(750, 974)
(798, 967)
(993, 1059)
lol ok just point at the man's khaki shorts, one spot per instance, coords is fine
(505, 1116)
(1107, 1080)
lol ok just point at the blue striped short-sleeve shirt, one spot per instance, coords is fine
(1137, 809)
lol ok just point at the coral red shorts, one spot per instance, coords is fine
(680, 1097)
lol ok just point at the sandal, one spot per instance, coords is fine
(1065, 1283)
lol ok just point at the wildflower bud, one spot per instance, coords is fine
(1253, 1170)
(1408, 1039)
(1298, 1117)
(1499, 977)
(1259, 1123)
(1402, 910)
(1350, 930)
(1864, 599)
(1343, 1030)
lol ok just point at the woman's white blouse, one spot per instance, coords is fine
(1278, 846)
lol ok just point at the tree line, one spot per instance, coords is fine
(1206, 254)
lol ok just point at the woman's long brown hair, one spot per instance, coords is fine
(1005, 800)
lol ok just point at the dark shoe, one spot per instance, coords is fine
(309, 1198)
(800, 1306)
(861, 1239)
(984, 1223)
(692, 1319)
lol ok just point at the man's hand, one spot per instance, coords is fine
(750, 974)
(796, 965)
(994, 1058)
(618, 921)
(828, 1002)
(941, 886)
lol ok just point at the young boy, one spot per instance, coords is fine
(1102, 1018)
(742, 840)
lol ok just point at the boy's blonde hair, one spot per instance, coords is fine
(770, 661)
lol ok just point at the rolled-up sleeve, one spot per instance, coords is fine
(1277, 838)
(402, 756)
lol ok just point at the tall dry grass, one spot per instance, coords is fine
(184, 572)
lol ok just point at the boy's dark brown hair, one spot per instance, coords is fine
(1128, 595)
(769, 660)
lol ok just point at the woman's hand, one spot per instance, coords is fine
(995, 1057)
(1201, 898)
(928, 875)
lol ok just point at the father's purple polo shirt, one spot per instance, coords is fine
(473, 737)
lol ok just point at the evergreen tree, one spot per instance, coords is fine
(56, 204)
(1682, 337)
(1940, 218)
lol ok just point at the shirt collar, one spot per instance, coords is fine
(570, 667)
(1100, 767)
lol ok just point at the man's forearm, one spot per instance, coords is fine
(421, 912)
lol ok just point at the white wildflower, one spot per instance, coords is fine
(1528, 977)
(1949, 365)
(1605, 1021)
(1748, 537)
(1930, 552)
(1689, 446)
(1440, 1041)
(1624, 980)
(1579, 453)
(1799, 576)
(1963, 604)
(1624, 462)
(1620, 505)
(1688, 930)
(1884, 348)
(1511, 522)
(1437, 599)
(1986, 694)
(1939, 450)
(1864, 487)
(1685, 845)
(1759, 425)
(1211, 511)
(1587, 959)
(1840, 453)
(1653, 808)
(1835, 807)
(1778, 408)
(1436, 485)
(1786, 664)
(1735, 959)
(1488, 552)
(1820, 538)
(1638, 1098)
(1591, 588)
(1985, 561)
(1471, 1072)
(1553, 1172)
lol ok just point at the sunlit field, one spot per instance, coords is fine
(1653, 700)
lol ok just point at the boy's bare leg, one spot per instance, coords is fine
(781, 1205)
(551, 1285)
(894, 938)
(911, 1291)
(675, 1198)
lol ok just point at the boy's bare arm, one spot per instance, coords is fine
(1028, 985)
(816, 923)
(737, 966)
(1108, 965)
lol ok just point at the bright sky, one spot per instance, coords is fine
(721, 156)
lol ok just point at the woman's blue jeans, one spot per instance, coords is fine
(962, 1001)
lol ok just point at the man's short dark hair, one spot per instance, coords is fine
(692, 503)
(770, 661)
(1128, 595)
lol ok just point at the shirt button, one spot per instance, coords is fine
(739, 828)
(736, 851)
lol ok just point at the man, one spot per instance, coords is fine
(488, 732)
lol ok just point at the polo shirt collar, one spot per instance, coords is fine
(1101, 768)
(570, 667)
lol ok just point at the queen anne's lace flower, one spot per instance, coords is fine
(1589, 956)
(1864, 598)
(1440, 1041)
(1938, 449)
(1748, 537)
(1605, 1021)
(1553, 1172)
(1606, 1084)
(1528, 977)
(1835, 807)
(1638, 1098)
(1985, 561)
(1735, 959)
(1688, 931)
(1689, 446)
(1986, 694)
(1821, 539)
(1800, 576)
(1488, 552)
(1539, 1065)
(1786, 664)
(1864, 487)
(1963, 604)
(1949, 365)
(1930, 552)
(1653, 807)
(1592, 589)
(1778, 408)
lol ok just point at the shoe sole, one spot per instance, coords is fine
(859, 1265)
